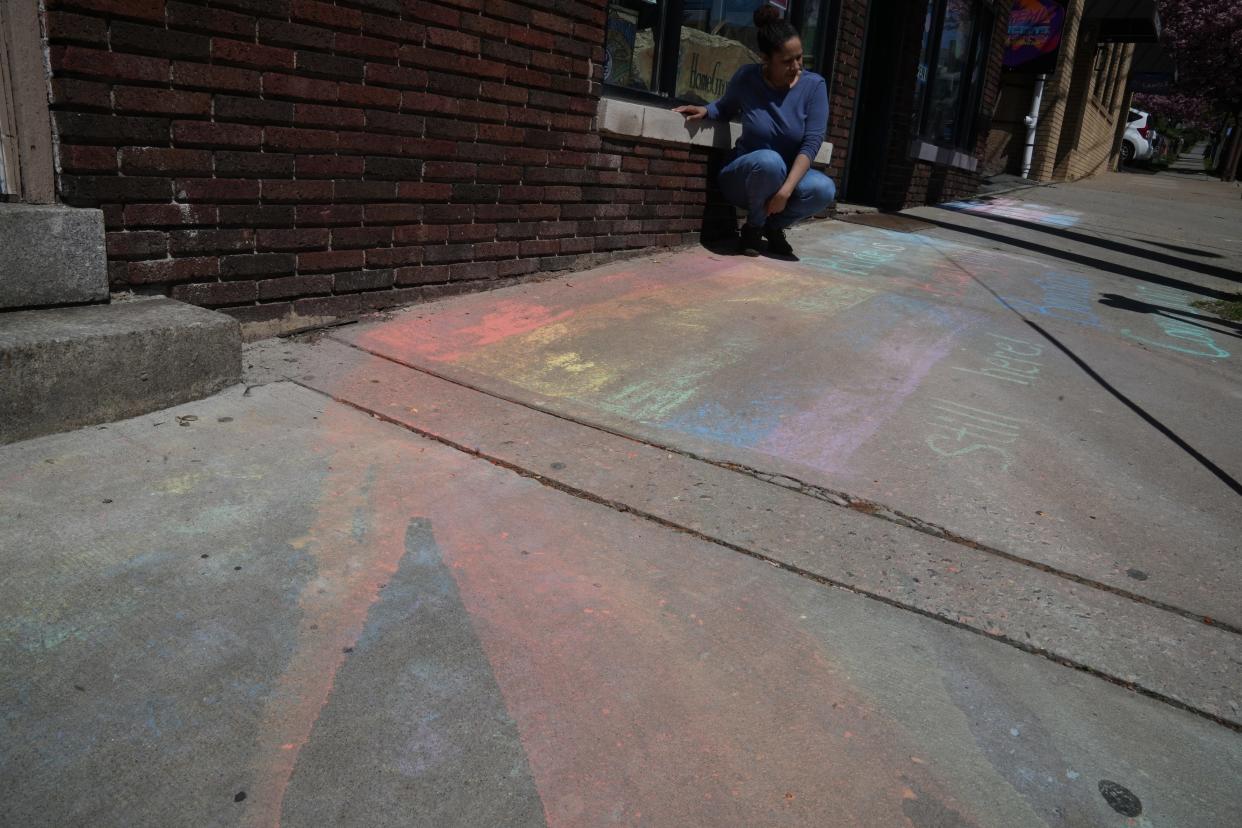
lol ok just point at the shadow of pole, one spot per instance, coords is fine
(1216, 470)
(1142, 413)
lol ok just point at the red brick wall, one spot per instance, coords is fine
(295, 161)
(846, 78)
(292, 161)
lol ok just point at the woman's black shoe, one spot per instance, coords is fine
(751, 238)
(776, 241)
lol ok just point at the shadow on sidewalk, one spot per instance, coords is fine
(1188, 250)
(1219, 473)
(1216, 471)
(1227, 328)
(1117, 247)
(1088, 261)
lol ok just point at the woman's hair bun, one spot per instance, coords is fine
(766, 15)
(773, 31)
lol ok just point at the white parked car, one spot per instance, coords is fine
(1139, 141)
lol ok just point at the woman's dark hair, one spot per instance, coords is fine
(773, 30)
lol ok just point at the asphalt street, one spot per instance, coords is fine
(935, 525)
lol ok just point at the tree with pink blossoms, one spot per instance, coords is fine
(1205, 37)
(1189, 110)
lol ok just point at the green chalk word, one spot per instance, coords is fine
(963, 430)
(1012, 360)
(1198, 341)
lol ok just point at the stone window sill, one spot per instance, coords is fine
(921, 150)
(654, 123)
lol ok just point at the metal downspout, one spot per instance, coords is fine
(1032, 125)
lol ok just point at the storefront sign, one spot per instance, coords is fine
(1034, 36)
(706, 62)
(1152, 83)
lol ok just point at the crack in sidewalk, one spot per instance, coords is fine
(837, 498)
(625, 508)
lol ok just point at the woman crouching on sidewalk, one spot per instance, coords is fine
(784, 116)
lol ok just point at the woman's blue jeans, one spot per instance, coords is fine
(749, 180)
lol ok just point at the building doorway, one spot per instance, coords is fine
(874, 109)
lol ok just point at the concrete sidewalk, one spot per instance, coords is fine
(884, 536)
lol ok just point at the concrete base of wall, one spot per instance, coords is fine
(70, 367)
(52, 255)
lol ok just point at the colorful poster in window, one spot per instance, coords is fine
(1034, 36)
(619, 46)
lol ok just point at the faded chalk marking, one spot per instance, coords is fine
(1187, 331)
(653, 400)
(1012, 208)
(349, 567)
(858, 261)
(1065, 296)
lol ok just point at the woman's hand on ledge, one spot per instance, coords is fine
(692, 113)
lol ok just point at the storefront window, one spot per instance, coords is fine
(629, 43)
(925, 57)
(689, 49)
(812, 28)
(950, 72)
(956, 39)
(717, 39)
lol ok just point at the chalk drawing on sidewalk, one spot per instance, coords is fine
(1194, 339)
(857, 260)
(1012, 208)
(898, 340)
(749, 356)
(677, 340)
(1012, 360)
(1063, 296)
(961, 430)
(932, 266)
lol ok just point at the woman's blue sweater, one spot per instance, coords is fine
(791, 122)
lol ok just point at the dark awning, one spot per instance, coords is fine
(1124, 21)
(1152, 58)
(1152, 69)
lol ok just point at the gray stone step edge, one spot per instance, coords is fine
(66, 368)
(51, 255)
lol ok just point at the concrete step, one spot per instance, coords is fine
(51, 255)
(65, 368)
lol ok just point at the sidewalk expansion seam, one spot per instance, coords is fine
(624, 508)
(842, 499)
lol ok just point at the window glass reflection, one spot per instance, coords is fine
(630, 43)
(952, 62)
(717, 39)
(812, 15)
